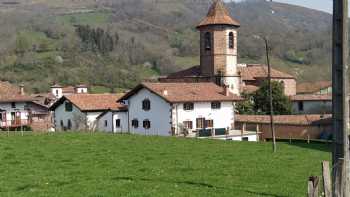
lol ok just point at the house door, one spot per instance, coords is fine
(13, 118)
(18, 118)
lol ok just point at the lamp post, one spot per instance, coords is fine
(272, 126)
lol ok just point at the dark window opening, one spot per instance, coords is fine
(188, 106)
(61, 123)
(300, 106)
(231, 40)
(146, 105)
(219, 79)
(13, 105)
(117, 123)
(146, 124)
(106, 123)
(215, 105)
(69, 106)
(245, 139)
(135, 123)
(209, 123)
(207, 41)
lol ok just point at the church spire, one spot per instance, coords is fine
(218, 15)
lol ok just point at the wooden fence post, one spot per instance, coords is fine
(326, 179)
(313, 186)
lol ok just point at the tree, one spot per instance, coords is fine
(258, 102)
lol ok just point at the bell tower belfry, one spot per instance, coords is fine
(218, 47)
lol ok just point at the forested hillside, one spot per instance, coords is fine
(117, 43)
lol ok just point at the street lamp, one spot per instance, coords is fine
(270, 89)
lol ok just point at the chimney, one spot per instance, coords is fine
(21, 89)
(226, 90)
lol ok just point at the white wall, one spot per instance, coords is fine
(158, 115)
(222, 118)
(20, 107)
(111, 118)
(81, 90)
(75, 116)
(313, 107)
(58, 92)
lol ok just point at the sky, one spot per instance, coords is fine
(323, 5)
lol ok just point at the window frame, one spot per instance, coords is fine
(146, 105)
(135, 123)
(117, 123)
(146, 124)
(68, 106)
(209, 123)
(13, 105)
(189, 106)
(231, 40)
(207, 41)
(213, 105)
(301, 106)
(200, 123)
(188, 124)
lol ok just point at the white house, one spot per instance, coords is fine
(192, 109)
(80, 111)
(115, 121)
(312, 104)
(58, 91)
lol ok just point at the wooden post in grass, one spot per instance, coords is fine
(313, 184)
(327, 185)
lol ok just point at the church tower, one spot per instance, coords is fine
(218, 47)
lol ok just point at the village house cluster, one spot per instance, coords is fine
(196, 102)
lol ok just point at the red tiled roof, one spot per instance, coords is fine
(194, 71)
(249, 88)
(312, 87)
(92, 102)
(68, 90)
(285, 119)
(218, 15)
(311, 97)
(185, 92)
(11, 93)
(255, 71)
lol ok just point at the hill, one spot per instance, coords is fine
(39, 43)
(126, 165)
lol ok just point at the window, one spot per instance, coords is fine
(135, 123)
(219, 78)
(13, 105)
(300, 106)
(207, 41)
(188, 106)
(146, 124)
(106, 123)
(61, 123)
(69, 106)
(188, 124)
(117, 123)
(209, 123)
(215, 105)
(146, 105)
(69, 125)
(231, 40)
(1, 119)
(56, 92)
(245, 139)
(200, 123)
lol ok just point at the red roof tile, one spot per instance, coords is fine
(92, 102)
(11, 93)
(311, 97)
(218, 15)
(185, 92)
(285, 119)
(312, 87)
(255, 71)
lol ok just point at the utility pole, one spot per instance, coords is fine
(270, 94)
(341, 156)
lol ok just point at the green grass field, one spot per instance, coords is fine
(101, 165)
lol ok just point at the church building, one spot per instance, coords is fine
(218, 58)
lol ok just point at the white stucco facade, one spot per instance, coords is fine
(159, 114)
(77, 118)
(57, 92)
(108, 122)
(13, 113)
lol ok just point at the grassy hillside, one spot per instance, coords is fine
(126, 165)
(39, 44)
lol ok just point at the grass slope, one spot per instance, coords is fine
(124, 165)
